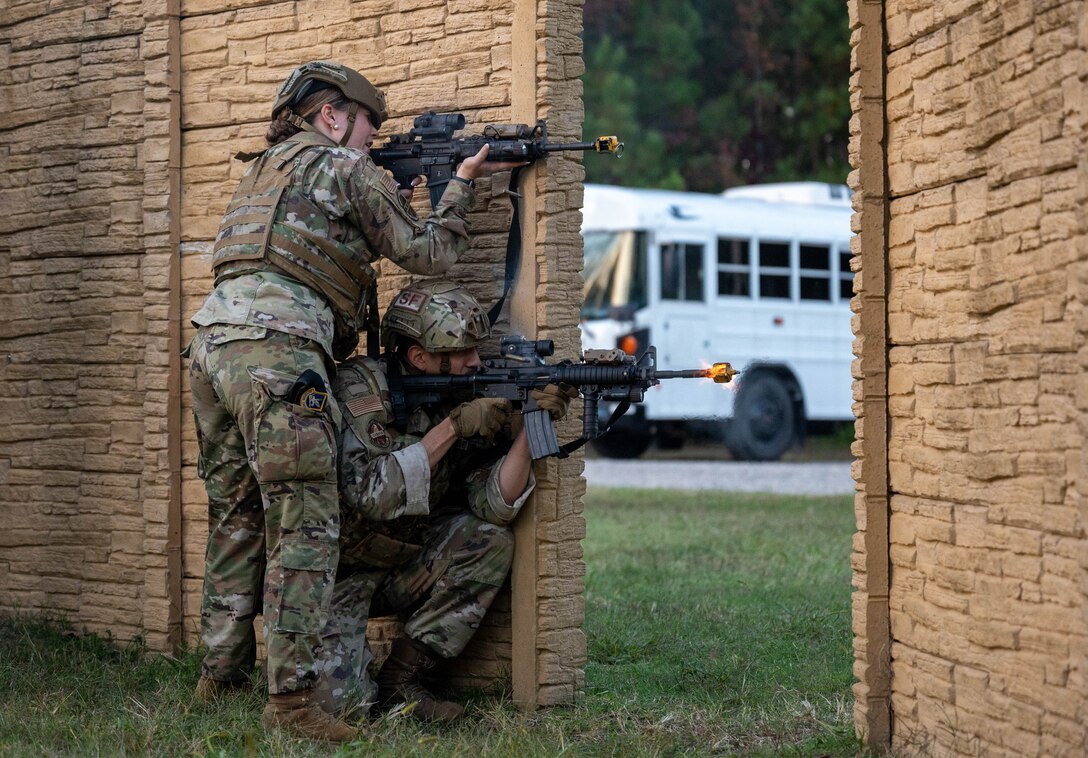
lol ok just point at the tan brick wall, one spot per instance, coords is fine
(984, 109)
(82, 284)
(118, 124)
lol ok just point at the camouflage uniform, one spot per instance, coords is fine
(434, 543)
(267, 453)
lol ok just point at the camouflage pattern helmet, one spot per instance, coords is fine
(439, 315)
(308, 77)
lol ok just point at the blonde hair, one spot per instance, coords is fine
(279, 130)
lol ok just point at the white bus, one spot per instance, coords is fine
(758, 276)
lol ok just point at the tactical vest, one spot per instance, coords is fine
(362, 391)
(251, 238)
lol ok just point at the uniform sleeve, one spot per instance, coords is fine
(485, 500)
(384, 487)
(394, 230)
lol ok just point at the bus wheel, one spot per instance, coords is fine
(764, 422)
(622, 444)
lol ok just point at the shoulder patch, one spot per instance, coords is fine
(379, 435)
(361, 406)
(314, 400)
(390, 184)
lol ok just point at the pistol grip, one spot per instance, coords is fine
(541, 433)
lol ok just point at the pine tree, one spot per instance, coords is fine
(709, 94)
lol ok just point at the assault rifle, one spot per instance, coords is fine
(610, 375)
(430, 150)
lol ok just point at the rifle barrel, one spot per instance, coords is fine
(721, 373)
(604, 144)
(692, 373)
(557, 147)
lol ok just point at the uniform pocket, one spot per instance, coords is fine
(294, 442)
(305, 593)
(219, 334)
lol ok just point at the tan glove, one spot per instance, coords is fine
(482, 417)
(555, 398)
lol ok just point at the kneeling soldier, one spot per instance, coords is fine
(426, 503)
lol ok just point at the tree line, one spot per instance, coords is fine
(710, 94)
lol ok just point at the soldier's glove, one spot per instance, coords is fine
(482, 417)
(555, 398)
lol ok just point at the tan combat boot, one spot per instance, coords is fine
(301, 714)
(398, 683)
(209, 690)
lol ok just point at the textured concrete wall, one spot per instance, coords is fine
(84, 285)
(119, 121)
(983, 179)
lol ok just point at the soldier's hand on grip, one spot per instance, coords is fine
(555, 399)
(482, 417)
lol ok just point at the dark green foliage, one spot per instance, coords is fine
(709, 94)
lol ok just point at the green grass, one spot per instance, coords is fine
(717, 625)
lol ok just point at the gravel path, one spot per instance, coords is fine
(782, 478)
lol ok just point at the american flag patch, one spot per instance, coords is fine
(360, 406)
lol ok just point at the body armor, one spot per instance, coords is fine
(253, 236)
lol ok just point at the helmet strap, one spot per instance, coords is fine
(352, 110)
(296, 120)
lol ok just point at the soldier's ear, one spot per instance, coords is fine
(418, 357)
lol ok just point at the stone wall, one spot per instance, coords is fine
(85, 283)
(119, 124)
(969, 143)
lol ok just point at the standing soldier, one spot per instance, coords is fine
(426, 500)
(293, 287)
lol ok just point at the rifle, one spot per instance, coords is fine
(429, 149)
(610, 375)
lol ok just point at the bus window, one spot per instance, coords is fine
(774, 270)
(815, 272)
(614, 268)
(733, 268)
(846, 277)
(681, 271)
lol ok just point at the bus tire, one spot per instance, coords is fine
(622, 444)
(764, 423)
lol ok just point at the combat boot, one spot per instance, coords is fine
(398, 682)
(209, 690)
(301, 714)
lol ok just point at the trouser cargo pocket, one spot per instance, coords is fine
(306, 589)
(294, 442)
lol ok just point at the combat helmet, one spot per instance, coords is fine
(439, 315)
(309, 77)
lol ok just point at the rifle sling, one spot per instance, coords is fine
(513, 246)
(570, 447)
(396, 390)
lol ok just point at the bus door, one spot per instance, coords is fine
(681, 330)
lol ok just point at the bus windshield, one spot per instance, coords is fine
(615, 274)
